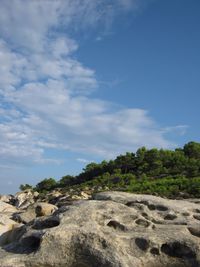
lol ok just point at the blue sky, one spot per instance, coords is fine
(86, 80)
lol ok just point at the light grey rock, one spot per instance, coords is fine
(35, 210)
(7, 198)
(195, 229)
(25, 198)
(44, 209)
(7, 225)
(114, 230)
(7, 208)
(25, 216)
(7, 228)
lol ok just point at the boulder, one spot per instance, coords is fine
(7, 198)
(8, 229)
(44, 209)
(25, 216)
(113, 230)
(7, 208)
(25, 198)
(85, 195)
(33, 211)
(81, 195)
(54, 193)
(63, 200)
(53, 197)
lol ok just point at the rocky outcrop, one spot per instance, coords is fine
(113, 230)
(60, 199)
(82, 195)
(25, 216)
(8, 229)
(25, 198)
(44, 209)
(7, 198)
(35, 210)
(6, 208)
(7, 225)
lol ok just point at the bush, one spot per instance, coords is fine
(46, 185)
(25, 187)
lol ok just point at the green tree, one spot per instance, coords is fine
(25, 187)
(192, 150)
(155, 165)
(193, 167)
(67, 180)
(46, 184)
(125, 162)
(90, 167)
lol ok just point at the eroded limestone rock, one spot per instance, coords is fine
(7, 208)
(113, 230)
(25, 198)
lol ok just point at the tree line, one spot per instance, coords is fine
(144, 165)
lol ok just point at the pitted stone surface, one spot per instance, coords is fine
(111, 230)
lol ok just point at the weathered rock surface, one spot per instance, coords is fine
(25, 216)
(82, 195)
(114, 230)
(25, 198)
(7, 208)
(7, 198)
(7, 228)
(60, 199)
(35, 210)
(44, 209)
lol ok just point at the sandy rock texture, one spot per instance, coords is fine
(6, 208)
(7, 225)
(35, 210)
(7, 198)
(114, 229)
(25, 198)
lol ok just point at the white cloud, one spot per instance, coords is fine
(29, 24)
(85, 161)
(45, 93)
(56, 119)
(25, 23)
(179, 129)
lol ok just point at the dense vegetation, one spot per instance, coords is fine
(162, 172)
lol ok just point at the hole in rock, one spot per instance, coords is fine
(194, 230)
(116, 225)
(32, 243)
(142, 243)
(151, 207)
(186, 214)
(145, 215)
(155, 251)
(179, 250)
(136, 205)
(157, 207)
(196, 216)
(130, 203)
(142, 222)
(48, 223)
(170, 217)
(161, 208)
(196, 210)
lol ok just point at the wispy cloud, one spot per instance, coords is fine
(85, 161)
(179, 129)
(46, 93)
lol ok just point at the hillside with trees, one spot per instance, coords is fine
(170, 173)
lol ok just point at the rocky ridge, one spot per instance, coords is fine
(113, 229)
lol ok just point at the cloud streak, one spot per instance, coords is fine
(46, 93)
